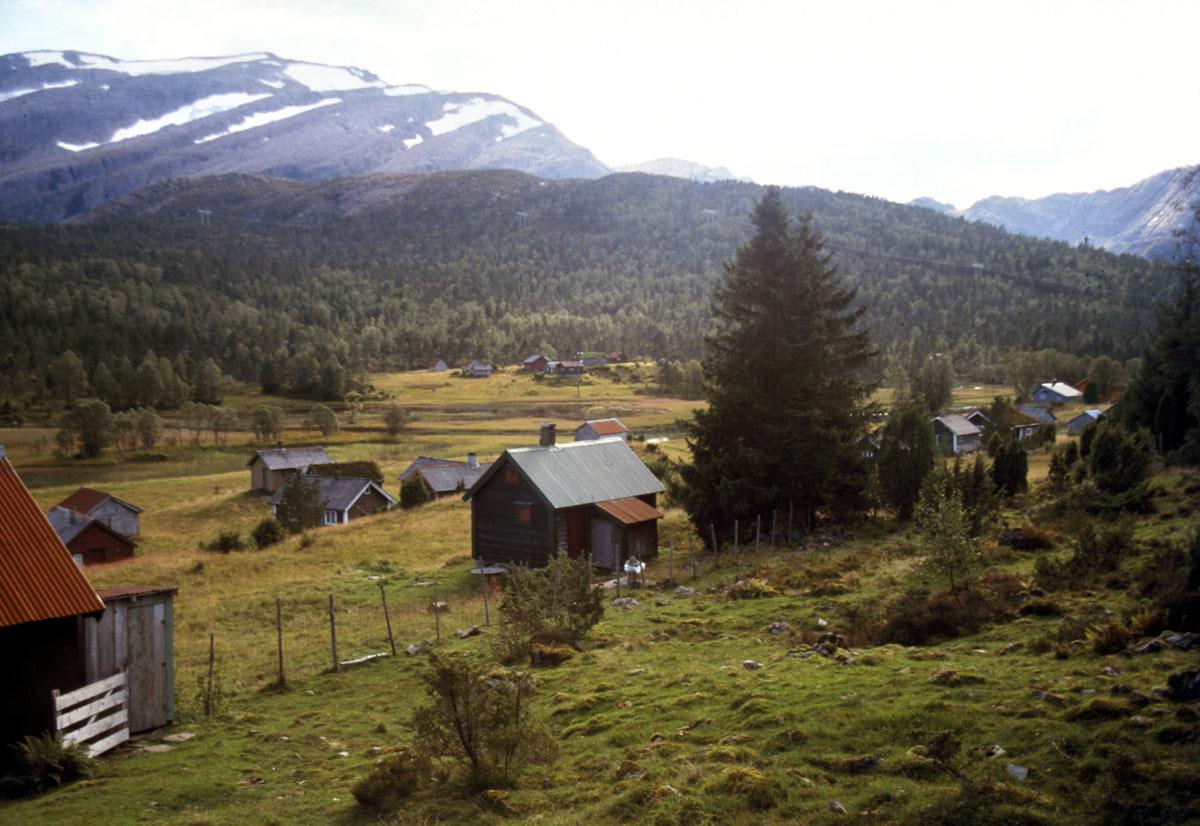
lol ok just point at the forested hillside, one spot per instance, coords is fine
(285, 279)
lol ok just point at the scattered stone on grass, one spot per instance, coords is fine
(1141, 721)
(629, 770)
(155, 748)
(662, 603)
(1051, 698)
(993, 750)
(1011, 647)
(633, 672)
(417, 648)
(1184, 686)
(1019, 772)
(179, 737)
(684, 591)
(822, 623)
(1149, 647)
(951, 677)
(473, 631)
(778, 627)
(751, 665)
(836, 807)
(625, 602)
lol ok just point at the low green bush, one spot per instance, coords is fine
(392, 780)
(43, 763)
(267, 533)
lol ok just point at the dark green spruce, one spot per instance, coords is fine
(784, 378)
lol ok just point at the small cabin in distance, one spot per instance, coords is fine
(117, 514)
(592, 498)
(1056, 392)
(344, 499)
(438, 366)
(954, 434)
(89, 540)
(269, 469)
(600, 429)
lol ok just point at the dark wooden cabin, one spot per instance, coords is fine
(43, 598)
(591, 498)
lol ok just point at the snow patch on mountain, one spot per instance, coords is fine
(263, 118)
(387, 127)
(164, 67)
(76, 147)
(274, 84)
(409, 143)
(320, 78)
(16, 93)
(456, 115)
(46, 58)
(406, 89)
(203, 108)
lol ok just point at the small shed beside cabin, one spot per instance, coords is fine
(1080, 423)
(437, 366)
(136, 634)
(534, 364)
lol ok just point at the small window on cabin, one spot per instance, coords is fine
(510, 475)
(524, 513)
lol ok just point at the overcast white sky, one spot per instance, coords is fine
(955, 100)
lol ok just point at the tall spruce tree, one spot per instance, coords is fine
(783, 377)
(906, 456)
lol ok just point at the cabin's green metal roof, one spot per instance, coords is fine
(579, 473)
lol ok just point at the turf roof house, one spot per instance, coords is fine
(592, 498)
(269, 469)
(445, 477)
(117, 514)
(342, 499)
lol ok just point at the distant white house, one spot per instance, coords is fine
(437, 366)
(1080, 422)
(1056, 392)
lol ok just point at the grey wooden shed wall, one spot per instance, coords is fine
(136, 634)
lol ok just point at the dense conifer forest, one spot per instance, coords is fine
(303, 287)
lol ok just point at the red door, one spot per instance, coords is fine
(577, 530)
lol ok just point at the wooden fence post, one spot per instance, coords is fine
(671, 562)
(208, 709)
(279, 640)
(487, 615)
(437, 617)
(333, 636)
(387, 618)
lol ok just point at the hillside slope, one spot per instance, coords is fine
(390, 271)
(77, 129)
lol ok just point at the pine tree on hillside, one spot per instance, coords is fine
(782, 370)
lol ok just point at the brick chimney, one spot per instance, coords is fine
(472, 460)
(548, 431)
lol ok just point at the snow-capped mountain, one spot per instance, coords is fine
(678, 168)
(1142, 219)
(78, 129)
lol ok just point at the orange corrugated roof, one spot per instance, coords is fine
(38, 579)
(608, 427)
(629, 511)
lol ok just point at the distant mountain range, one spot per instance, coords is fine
(676, 168)
(78, 129)
(1143, 219)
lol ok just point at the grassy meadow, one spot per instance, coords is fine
(658, 720)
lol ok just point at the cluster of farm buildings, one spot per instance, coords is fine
(959, 433)
(79, 649)
(536, 363)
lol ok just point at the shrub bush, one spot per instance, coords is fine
(267, 533)
(43, 763)
(917, 618)
(1113, 638)
(225, 542)
(392, 780)
(413, 493)
(1027, 538)
(553, 606)
(480, 716)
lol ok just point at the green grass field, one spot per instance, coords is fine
(660, 687)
